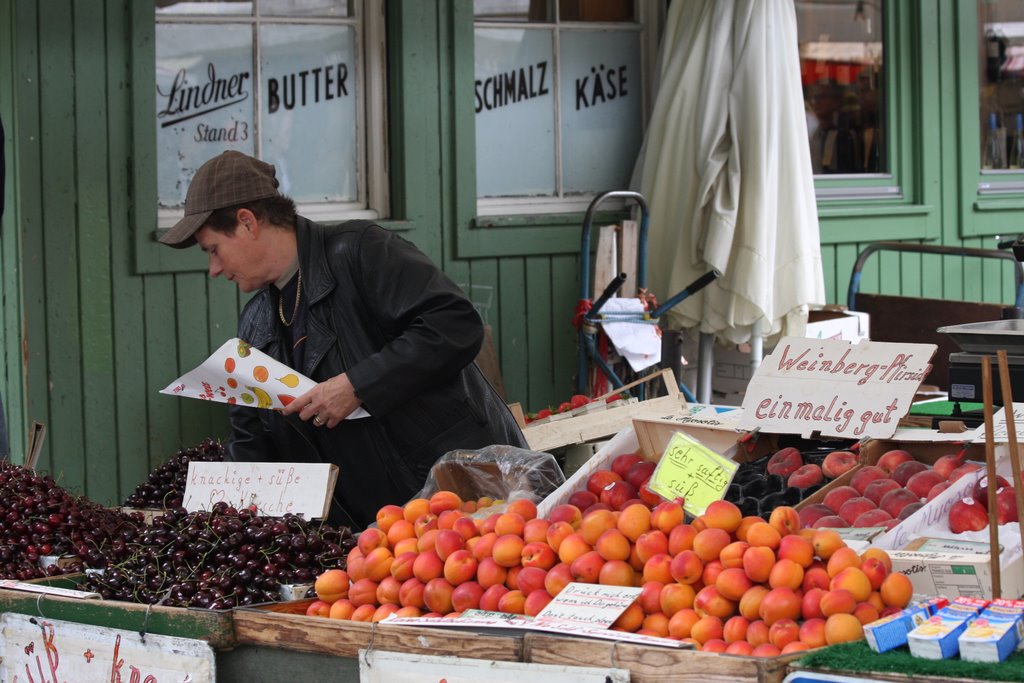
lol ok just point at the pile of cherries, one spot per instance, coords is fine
(165, 486)
(216, 560)
(40, 519)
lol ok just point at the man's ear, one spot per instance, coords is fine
(247, 221)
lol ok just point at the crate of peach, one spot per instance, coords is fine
(751, 586)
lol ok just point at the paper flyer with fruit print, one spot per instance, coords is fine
(238, 374)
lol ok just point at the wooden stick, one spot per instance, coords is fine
(1011, 433)
(990, 465)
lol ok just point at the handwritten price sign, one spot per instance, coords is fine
(690, 470)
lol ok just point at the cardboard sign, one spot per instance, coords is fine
(690, 470)
(378, 666)
(589, 604)
(835, 388)
(275, 488)
(40, 649)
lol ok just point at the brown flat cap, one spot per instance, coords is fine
(228, 179)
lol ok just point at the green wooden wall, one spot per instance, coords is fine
(97, 318)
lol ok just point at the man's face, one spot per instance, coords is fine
(236, 256)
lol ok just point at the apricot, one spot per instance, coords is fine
(681, 623)
(509, 523)
(512, 602)
(896, 590)
(363, 612)
(377, 564)
(763, 534)
(566, 513)
(750, 603)
(508, 550)
(613, 545)
(363, 592)
(758, 562)
(406, 545)
(595, 523)
(795, 646)
(319, 608)
(745, 524)
(880, 554)
(716, 645)
(779, 603)
(866, 613)
(816, 577)
(332, 585)
(686, 567)
(707, 627)
(676, 596)
(634, 520)
(796, 548)
(411, 593)
(740, 647)
(709, 601)
(853, 580)
(837, 601)
(656, 624)
(708, 544)
(651, 543)
(735, 629)
(666, 516)
(524, 507)
(810, 603)
(723, 514)
(536, 530)
(650, 596)
(632, 618)
(757, 632)
(415, 508)
(711, 571)
(482, 546)
(680, 538)
(491, 597)
(843, 628)
(401, 567)
(812, 632)
(616, 573)
(783, 632)
(443, 500)
(841, 559)
(658, 568)
(733, 583)
(557, 578)
(731, 555)
(826, 542)
(766, 650)
(341, 609)
(786, 573)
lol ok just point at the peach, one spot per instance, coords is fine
(837, 601)
(750, 604)
(763, 534)
(587, 567)
(741, 648)
(835, 498)
(731, 555)
(896, 590)
(557, 578)
(467, 596)
(490, 573)
(783, 632)
(757, 632)
(785, 461)
(650, 596)
(640, 473)
(865, 475)
(651, 543)
(513, 602)
(674, 597)
(936, 490)
(568, 513)
(535, 602)
(831, 522)
(621, 463)
(837, 463)
(531, 579)
(666, 516)
(444, 500)
(902, 474)
(597, 481)
(723, 514)
(489, 600)
(810, 514)
(878, 488)
(341, 609)
(758, 561)
(785, 520)
(708, 544)
(680, 624)
(411, 593)
(658, 568)
(632, 618)
(427, 566)
(894, 501)
(634, 521)
(796, 548)
(810, 603)
(854, 508)
(508, 550)
(960, 471)
(616, 573)
(538, 554)
(871, 518)
(707, 627)
(779, 603)
(843, 628)
(892, 459)
(363, 592)
(805, 476)
(841, 559)
(617, 494)
(786, 573)
(447, 541)
(732, 583)
(922, 482)
(460, 567)
(735, 629)
(680, 538)
(572, 546)
(536, 530)
(686, 567)
(648, 496)
(812, 632)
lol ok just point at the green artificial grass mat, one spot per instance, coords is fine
(858, 657)
(943, 408)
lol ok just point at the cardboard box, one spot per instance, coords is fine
(937, 638)
(889, 633)
(995, 634)
(958, 574)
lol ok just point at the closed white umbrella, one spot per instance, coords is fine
(726, 171)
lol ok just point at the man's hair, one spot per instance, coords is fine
(278, 210)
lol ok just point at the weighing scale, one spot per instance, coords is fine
(976, 341)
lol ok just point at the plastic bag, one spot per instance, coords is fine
(499, 472)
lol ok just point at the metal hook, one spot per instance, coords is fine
(145, 622)
(369, 645)
(39, 605)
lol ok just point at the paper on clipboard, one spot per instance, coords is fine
(238, 374)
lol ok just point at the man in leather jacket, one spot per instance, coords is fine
(363, 312)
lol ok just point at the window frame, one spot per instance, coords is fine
(372, 145)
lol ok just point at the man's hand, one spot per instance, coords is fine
(327, 404)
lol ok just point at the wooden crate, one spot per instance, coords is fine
(215, 627)
(648, 664)
(285, 625)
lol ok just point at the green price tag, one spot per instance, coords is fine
(691, 470)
